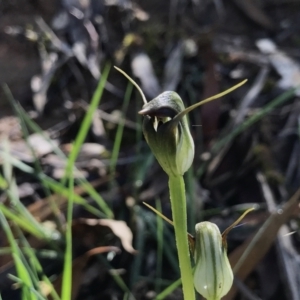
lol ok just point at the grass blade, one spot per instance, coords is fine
(66, 293)
(119, 134)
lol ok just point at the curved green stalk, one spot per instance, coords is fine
(178, 203)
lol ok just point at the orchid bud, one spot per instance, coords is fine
(213, 275)
(168, 137)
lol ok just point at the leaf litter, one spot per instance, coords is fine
(247, 144)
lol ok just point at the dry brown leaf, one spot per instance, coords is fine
(119, 228)
(41, 145)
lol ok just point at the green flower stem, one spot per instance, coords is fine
(178, 203)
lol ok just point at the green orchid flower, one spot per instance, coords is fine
(166, 131)
(166, 128)
(169, 139)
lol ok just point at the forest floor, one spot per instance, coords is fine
(247, 144)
